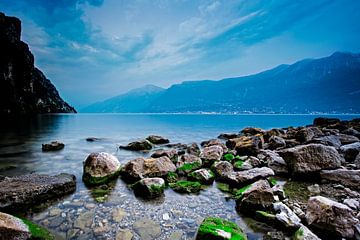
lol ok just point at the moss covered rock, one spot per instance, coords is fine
(205, 176)
(188, 167)
(141, 145)
(149, 187)
(171, 177)
(186, 186)
(38, 232)
(219, 229)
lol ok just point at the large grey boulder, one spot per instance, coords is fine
(274, 161)
(246, 145)
(350, 151)
(311, 158)
(349, 178)
(211, 154)
(286, 216)
(248, 176)
(330, 216)
(307, 134)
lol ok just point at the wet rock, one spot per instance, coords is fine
(24, 191)
(310, 158)
(286, 217)
(186, 186)
(193, 149)
(347, 139)
(227, 136)
(246, 145)
(325, 122)
(249, 131)
(171, 153)
(147, 229)
(219, 229)
(214, 142)
(349, 178)
(211, 154)
(188, 163)
(331, 217)
(352, 203)
(100, 168)
(303, 233)
(149, 187)
(307, 134)
(13, 228)
(274, 161)
(276, 142)
(331, 140)
(124, 234)
(154, 139)
(93, 139)
(141, 145)
(248, 176)
(314, 189)
(350, 151)
(222, 169)
(176, 235)
(53, 146)
(152, 167)
(118, 214)
(257, 196)
(84, 220)
(203, 176)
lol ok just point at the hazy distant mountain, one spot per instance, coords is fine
(330, 84)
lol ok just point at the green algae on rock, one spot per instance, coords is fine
(171, 177)
(213, 228)
(149, 187)
(186, 186)
(188, 167)
(204, 176)
(38, 232)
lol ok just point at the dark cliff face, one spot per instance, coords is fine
(23, 88)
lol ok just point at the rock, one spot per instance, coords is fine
(349, 178)
(219, 229)
(154, 139)
(331, 217)
(186, 186)
(84, 220)
(291, 143)
(325, 122)
(248, 176)
(176, 235)
(222, 169)
(314, 189)
(149, 187)
(274, 161)
(13, 228)
(286, 217)
(100, 168)
(276, 142)
(310, 158)
(308, 133)
(303, 233)
(93, 139)
(53, 146)
(331, 140)
(171, 153)
(352, 132)
(203, 176)
(188, 163)
(211, 154)
(227, 136)
(347, 139)
(352, 203)
(214, 142)
(257, 196)
(141, 145)
(152, 167)
(124, 234)
(118, 214)
(147, 229)
(193, 149)
(23, 88)
(246, 145)
(250, 131)
(357, 161)
(278, 235)
(273, 132)
(350, 151)
(25, 191)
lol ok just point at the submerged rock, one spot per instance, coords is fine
(147, 229)
(149, 187)
(349, 178)
(186, 186)
(141, 145)
(25, 191)
(219, 229)
(53, 146)
(331, 217)
(154, 139)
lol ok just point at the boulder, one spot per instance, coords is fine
(188, 163)
(347, 139)
(246, 145)
(257, 196)
(351, 131)
(357, 161)
(350, 151)
(250, 131)
(21, 192)
(349, 178)
(100, 168)
(141, 145)
(274, 161)
(219, 229)
(324, 122)
(286, 217)
(203, 176)
(149, 187)
(303, 233)
(186, 186)
(310, 158)
(308, 133)
(53, 146)
(214, 142)
(193, 149)
(331, 217)
(171, 153)
(154, 139)
(276, 142)
(93, 139)
(248, 176)
(211, 154)
(352, 203)
(227, 136)
(273, 132)
(331, 140)
(151, 167)
(222, 169)
(13, 228)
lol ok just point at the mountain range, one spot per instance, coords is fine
(325, 85)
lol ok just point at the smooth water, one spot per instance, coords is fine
(82, 215)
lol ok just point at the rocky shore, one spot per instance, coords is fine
(299, 182)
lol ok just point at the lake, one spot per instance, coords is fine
(83, 215)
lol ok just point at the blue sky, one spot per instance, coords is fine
(95, 49)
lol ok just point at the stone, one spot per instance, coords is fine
(13, 228)
(357, 161)
(331, 140)
(141, 145)
(219, 229)
(352, 203)
(188, 163)
(331, 217)
(84, 220)
(248, 176)
(308, 133)
(325, 122)
(347, 139)
(53, 146)
(183, 186)
(151, 167)
(214, 142)
(203, 176)
(176, 235)
(193, 149)
(227, 136)
(93, 139)
(211, 154)
(273, 132)
(350, 151)
(303, 233)
(149, 187)
(124, 234)
(246, 145)
(154, 139)
(276, 142)
(100, 168)
(147, 229)
(222, 169)
(352, 132)
(310, 158)
(257, 196)
(349, 178)
(118, 214)
(171, 153)
(250, 131)
(24, 191)
(274, 161)
(286, 216)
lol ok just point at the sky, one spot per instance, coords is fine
(95, 49)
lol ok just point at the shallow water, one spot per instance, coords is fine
(80, 215)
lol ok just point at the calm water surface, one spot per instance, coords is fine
(82, 215)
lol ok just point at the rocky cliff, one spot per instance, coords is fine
(24, 89)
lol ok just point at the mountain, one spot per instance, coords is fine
(136, 100)
(24, 89)
(325, 85)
